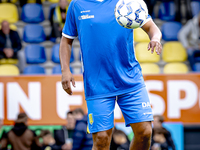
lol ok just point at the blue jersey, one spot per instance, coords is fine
(110, 66)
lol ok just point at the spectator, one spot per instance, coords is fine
(159, 131)
(78, 114)
(10, 44)
(189, 37)
(48, 141)
(159, 141)
(119, 141)
(64, 136)
(57, 18)
(20, 137)
(23, 2)
(81, 140)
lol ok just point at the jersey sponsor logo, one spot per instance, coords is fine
(91, 119)
(146, 104)
(85, 11)
(85, 17)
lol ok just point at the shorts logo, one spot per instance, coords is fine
(144, 104)
(91, 119)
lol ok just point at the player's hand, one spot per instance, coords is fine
(67, 78)
(155, 45)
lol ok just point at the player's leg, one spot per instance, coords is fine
(101, 121)
(137, 113)
(142, 136)
(101, 140)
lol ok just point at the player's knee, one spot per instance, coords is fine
(102, 140)
(144, 134)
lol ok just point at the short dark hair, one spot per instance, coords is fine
(78, 110)
(159, 131)
(69, 113)
(44, 133)
(160, 118)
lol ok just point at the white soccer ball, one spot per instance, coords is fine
(131, 14)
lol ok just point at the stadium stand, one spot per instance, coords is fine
(8, 70)
(167, 11)
(35, 54)
(53, 1)
(170, 31)
(195, 6)
(12, 27)
(150, 68)
(55, 54)
(196, 67)
(57, 69)
(175, 68)
(143, 55)
(174, 52)
(140, 35)
(34, 70)
(33, 1)
(12, 1)
(34, 33)
(8, 61)
(32, 13)
(9, 12)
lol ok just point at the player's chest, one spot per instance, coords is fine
(97, 14)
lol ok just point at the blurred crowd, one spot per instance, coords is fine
(71, 136)
(74, 135)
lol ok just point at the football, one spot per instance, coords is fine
(131, 14)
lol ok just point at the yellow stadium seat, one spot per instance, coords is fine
(140, 35)
(8, 12)
(33, 1)
(175, 68)
(150, 68)
(53, 1)
(5, 1)
(12, 27)
(143, 55)
(8, 61)
(174, 52)
(8, 70)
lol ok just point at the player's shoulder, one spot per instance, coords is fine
(72, 3)
(75, 2)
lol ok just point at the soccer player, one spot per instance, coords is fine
(111, 71)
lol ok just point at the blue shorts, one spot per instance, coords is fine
(135, 107)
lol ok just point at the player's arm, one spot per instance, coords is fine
(155, 36)
(65, 54)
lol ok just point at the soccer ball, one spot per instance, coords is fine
(131, 14)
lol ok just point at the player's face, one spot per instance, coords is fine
(70, 121)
